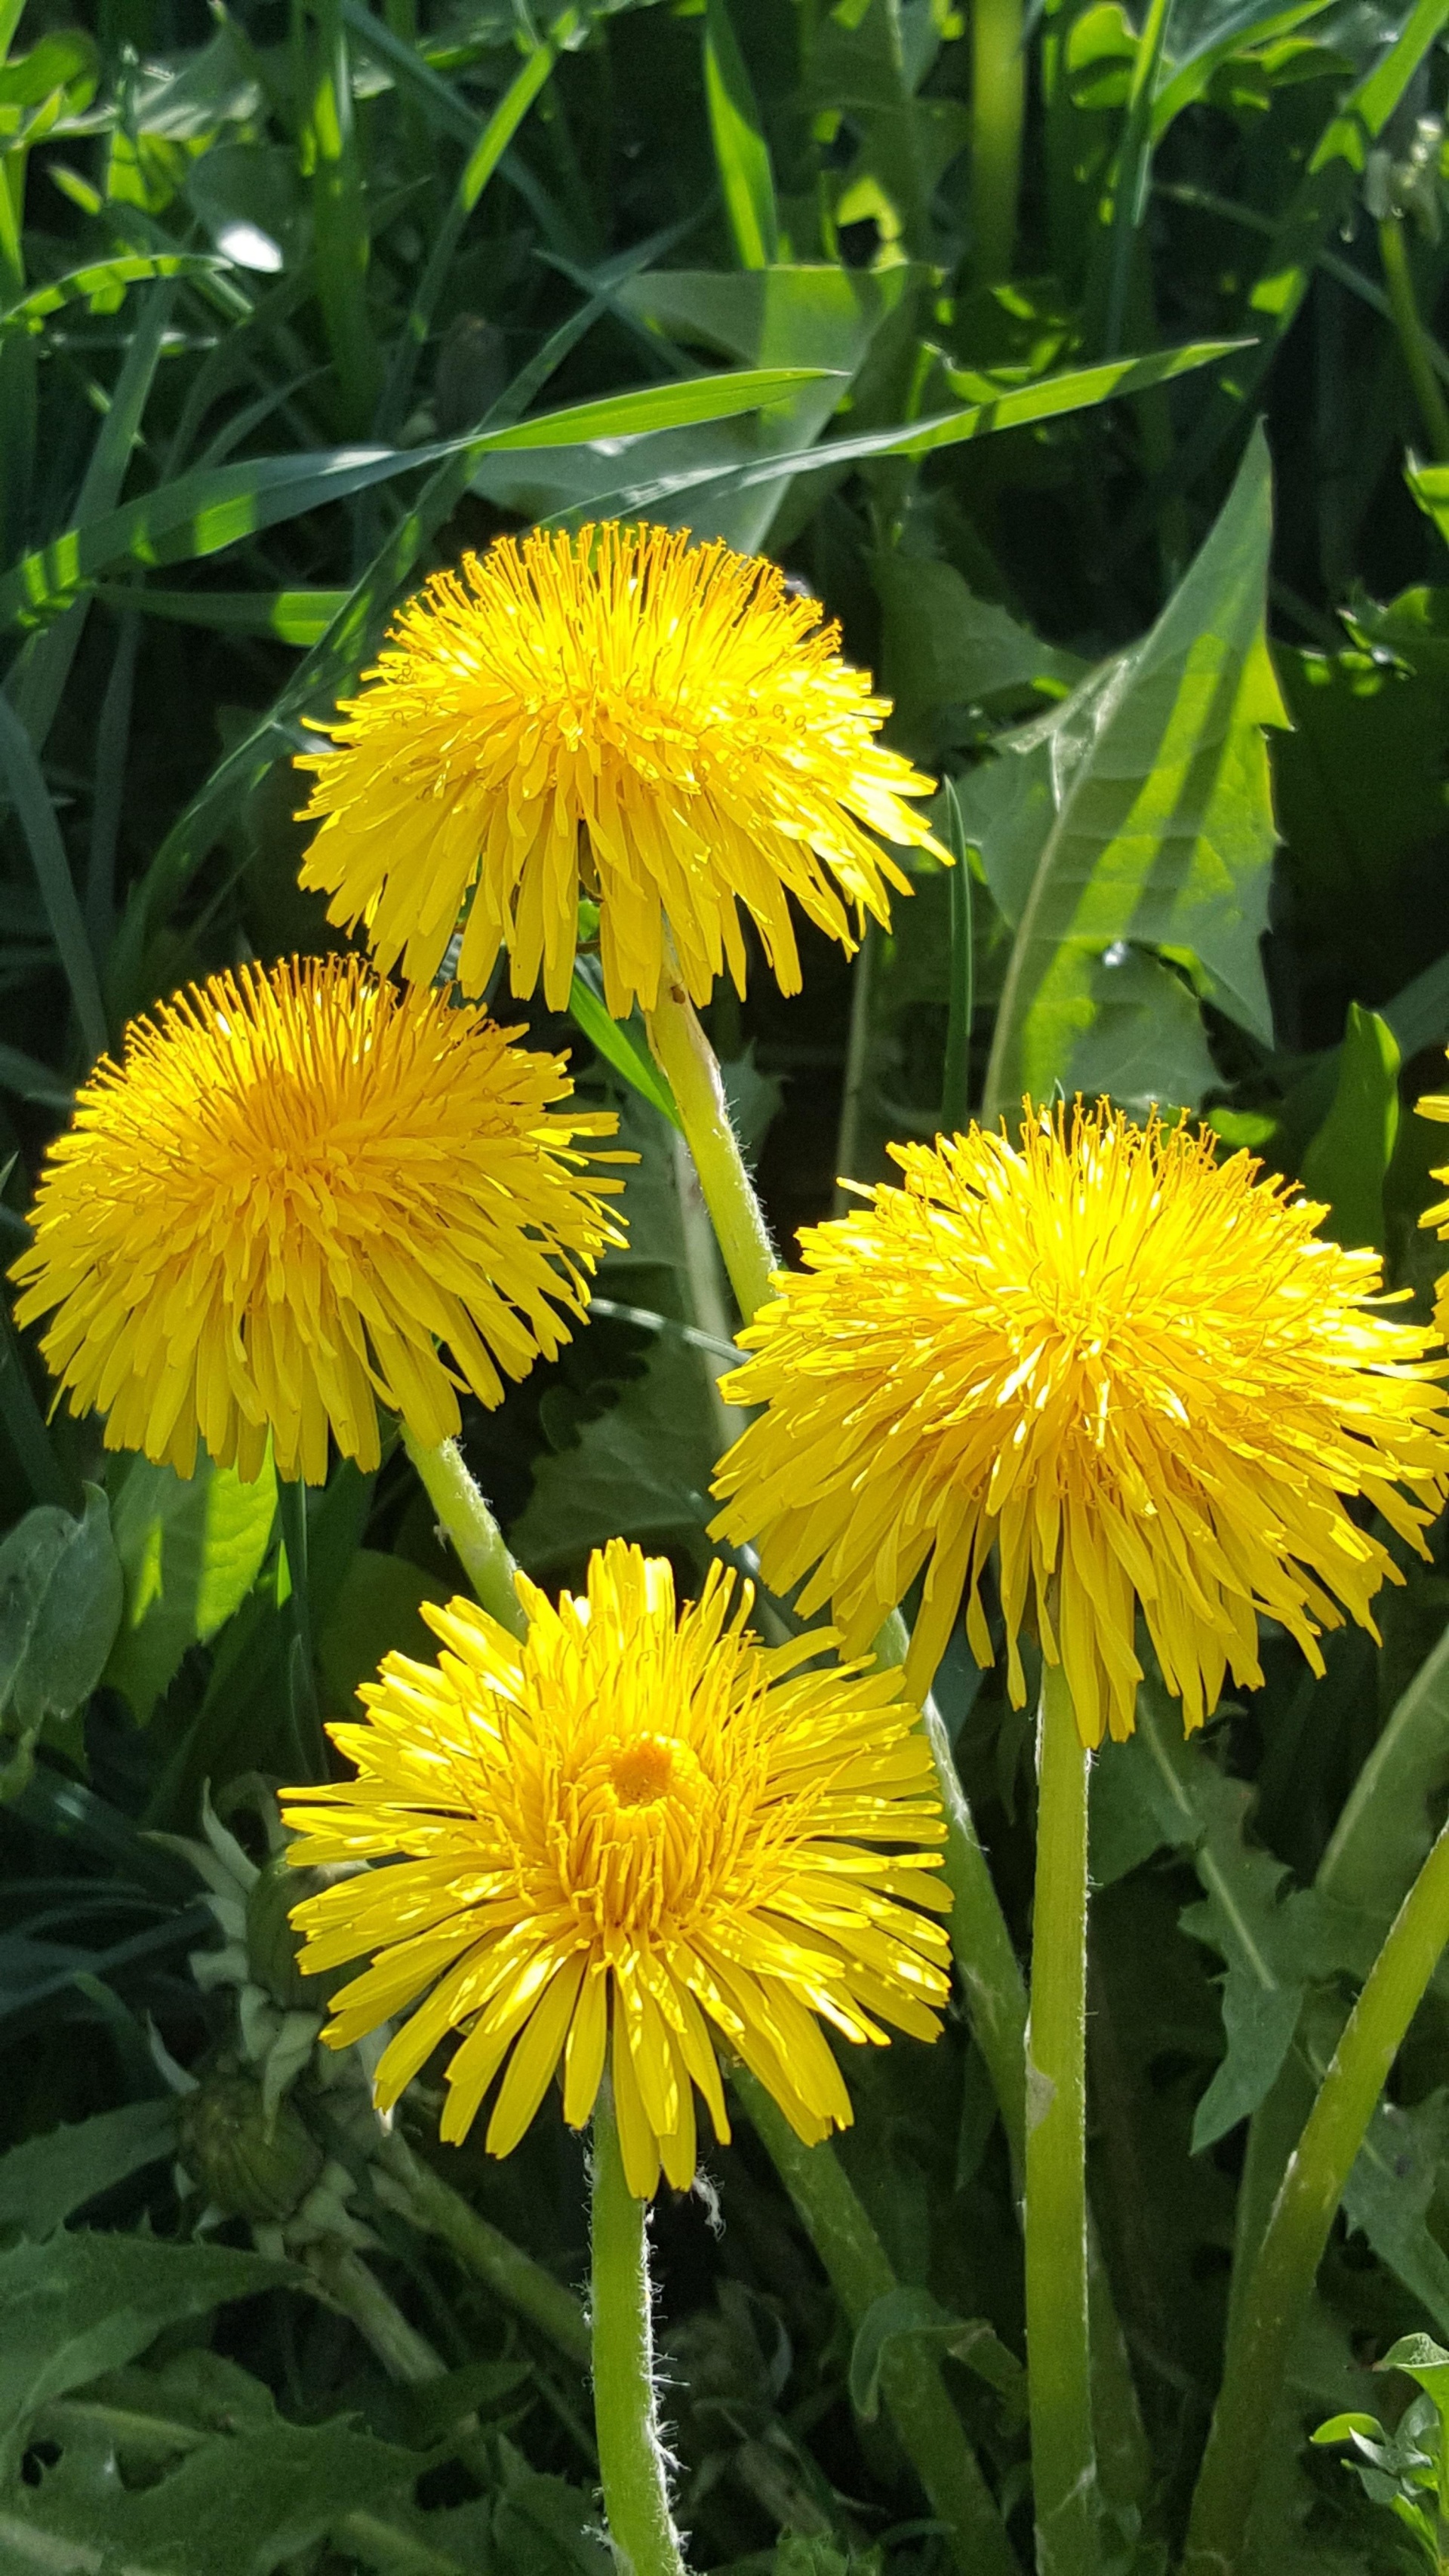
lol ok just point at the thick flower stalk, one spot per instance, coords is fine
(664, 728)
(1133, 1371)
(303, 1194)
(632, 1835)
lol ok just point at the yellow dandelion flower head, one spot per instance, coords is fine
(635, 1836)
(294, 1186)
(1132, 1370)
(663, 727)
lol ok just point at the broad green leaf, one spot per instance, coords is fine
(915, 2315)
(1392, 1813)
(78, 2305)
(46, 2179)
(1414, 628)
(740, 149)
(377, 1611)
(1152, 782)
(241, 2503)
(199, 513)
(102, 285)
(191, 1548)
(299, 617)
(1350, 1155)
(60, 1606)
(942, 648)
(1388, 2193)
(1272, 1943)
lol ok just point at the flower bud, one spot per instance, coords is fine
(248, 2167)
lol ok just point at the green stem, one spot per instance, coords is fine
(631, 2455)
(405, 2355)
(998, 107)
(688, 1062)
(1413, 340)
(1281, 2280)
(915, 2393)
(956, 1071)
(986, 1960)
(405, 2183)
(1058, 2339)
(472, 1528)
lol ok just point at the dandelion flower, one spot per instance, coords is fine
(1132, 1370)
(661, 727)
(293, 1187)
(633, 1829)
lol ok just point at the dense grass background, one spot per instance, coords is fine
(277, 288)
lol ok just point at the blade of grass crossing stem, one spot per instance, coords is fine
(740, 149)
(339, 220)
(617, 1044)
(956, 1079)
(20, 771)
(482, 161)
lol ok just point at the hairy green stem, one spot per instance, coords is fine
(469, 1523)
(1058, 2335)
(687, 1060)
(632, 2465)
(405, 2183)
(998, 109)
(915, 2393)
(1279, 2285)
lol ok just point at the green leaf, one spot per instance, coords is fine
(377, 1611)
(78, 2305)
(915, 2315)
(1272, 1944)
(1051, 398)
(619, 1042)
(1152, 782)
(191, 1549)
(60, 1606)
(943, 648)
(1393, 1811)
(1348, 1159)
(1388, 2195)
(740, 149)
(299, 617)
(103, 284)
(46, 2180)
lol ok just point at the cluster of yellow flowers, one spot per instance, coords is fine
(1131, 1374)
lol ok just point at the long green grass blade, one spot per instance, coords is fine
(740, 149)
(103, 280)
(200, 513)
(617, 1043)
(290, 616)
(21, 773)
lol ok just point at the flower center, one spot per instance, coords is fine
(643, 1772)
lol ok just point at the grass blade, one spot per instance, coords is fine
(22, 776)
(740, 149)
